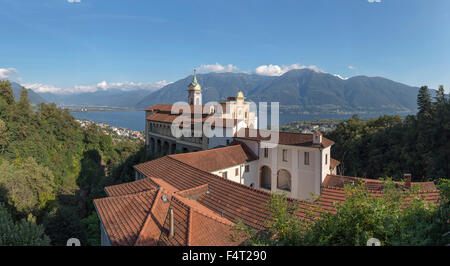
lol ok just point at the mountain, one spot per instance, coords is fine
(111, 98)
(298, 91)
(33, 97)
(215, 86)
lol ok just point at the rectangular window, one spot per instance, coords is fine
(237, 172)
(266, 152)
(247, 168)
(284, 155)
(224, 174)
(306, 158)
(326, 158)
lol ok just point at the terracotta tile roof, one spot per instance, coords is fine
(124, 216)
(130, 188)
(334, 163)
(285, 138)
(216, 159)
(167, 108)
(142, 218)
(338, 181)
(206, 119)
(233, 200)
(205, 206)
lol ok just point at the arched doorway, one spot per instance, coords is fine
(185, 150)
(173, 148)
(158, 147)
(152, 145)
(284, 180)
(265, 175)
(166, 148)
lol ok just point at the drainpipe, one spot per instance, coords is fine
(171, 228)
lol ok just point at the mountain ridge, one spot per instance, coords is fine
(299, 91)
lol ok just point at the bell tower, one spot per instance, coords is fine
(195, 92)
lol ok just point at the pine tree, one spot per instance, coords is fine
(424, 101)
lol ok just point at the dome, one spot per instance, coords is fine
(240, 95)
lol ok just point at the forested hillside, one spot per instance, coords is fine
(51, 169)
(389, 146)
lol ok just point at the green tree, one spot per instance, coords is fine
(28, 185)
(63, 224)
(424, 101)
(22, 233)
(3, 136)
(397, 217)
(6, 93)
(92, 228)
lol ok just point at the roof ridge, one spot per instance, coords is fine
(195, 209)
(149, 215)
(129, 195)
(190, 189)
(223, 179)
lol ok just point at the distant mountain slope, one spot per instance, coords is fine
(33, 97)
(298, 91)
(215, 86)
(111, 98)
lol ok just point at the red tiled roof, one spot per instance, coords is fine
(205, 205)
(214, 121)
(216, 159)
(334, 163)
(233, 200)
(124, 216)
(130, 188)
(338, 181)
(143, 219)
(284, 138)
(167, 108)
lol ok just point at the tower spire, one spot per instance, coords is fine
(195, 91)
(194, 80)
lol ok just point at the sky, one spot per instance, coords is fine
(67, 46)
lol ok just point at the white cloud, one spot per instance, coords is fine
(217, 68)
(351, 67)
(374, 1)
(7, 72)
(104, 85)
(276, 70)
(74, 1)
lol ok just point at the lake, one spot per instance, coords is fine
(134, 120)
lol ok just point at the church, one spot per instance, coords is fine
(199, 187)
(226, 117)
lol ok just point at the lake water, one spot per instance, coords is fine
(135, 119)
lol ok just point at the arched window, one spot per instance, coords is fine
(266, 178)
(284, 180)
(197, 101)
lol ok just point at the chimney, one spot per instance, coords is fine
(407, 178)
(317, 138)
(171, 229)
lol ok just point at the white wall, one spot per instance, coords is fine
(245, 178)
(305, 179)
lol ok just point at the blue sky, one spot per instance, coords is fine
(59, 46)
